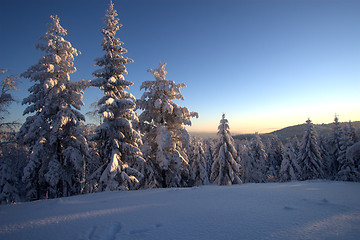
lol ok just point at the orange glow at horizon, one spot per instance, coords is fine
(269, 121)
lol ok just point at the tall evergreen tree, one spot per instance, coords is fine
(242, 149)
(275, 151)
(226, 167)
(198, 163)
(352, 133)
(117, 140)
(10, 163)
(54, 134)
(296, 144)
(290, 169)
(325, 156)
(6, 98)
(310, 160)
(334, 147)
(9, 192)
(347, 168)
(354, 138)
(255, 170)
(162, 122)
(353, 154)
(208, 148)
(13, 159)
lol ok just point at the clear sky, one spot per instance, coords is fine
(266, 64)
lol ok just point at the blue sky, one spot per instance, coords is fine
(266, 64)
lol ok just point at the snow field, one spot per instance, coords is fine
(294, 210)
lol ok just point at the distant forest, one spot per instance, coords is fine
(324, 129)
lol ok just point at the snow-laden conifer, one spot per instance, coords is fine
(54, 133)
(353, 154)
(6, 98)
(275, 151)
(208, 148)
(198, 162)
(334, 147)
(226, 167)
(9, 162)
(9, 193)
(310, 160)
(118, 142)
(13, 158)
(352, 133)
(296, 144)
(347, 168)
(242, 149)
(327, 160)
(290, 169)
(162, 122)
(354, 138)
(255, 170)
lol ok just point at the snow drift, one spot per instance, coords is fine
(293, 210)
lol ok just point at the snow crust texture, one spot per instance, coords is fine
(292, 210)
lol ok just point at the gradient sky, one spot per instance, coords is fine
(266, 64)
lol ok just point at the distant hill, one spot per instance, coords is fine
(298, 130)
(203, 135)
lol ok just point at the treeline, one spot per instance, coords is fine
(222, 161)
(55, 155)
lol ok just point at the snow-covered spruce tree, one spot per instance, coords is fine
(9, 193)
(275, 151)
(54, 133)
(226, 168)
(10, 159)
(118, 142)
(165, 138)
(353, 154)
(334, 148)
(296, 144)
(354, 138)
(208, 148)
(352, 133)
(309, 158)
(327, 160)
(13, 159)
(94, 163)
(198, 163)
(290, 169)
(347, 168)
(6, 86)
(242, 148)
(255, 170)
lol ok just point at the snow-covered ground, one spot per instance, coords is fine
(295, 210)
